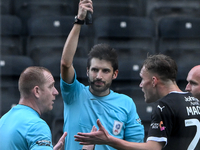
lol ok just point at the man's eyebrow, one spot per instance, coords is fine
(52, 84)
(192, 81)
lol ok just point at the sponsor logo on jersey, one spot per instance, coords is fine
(154, 125)
(194, 108)
(193, 101)
(161, 126)
(158, 126)
(43, 143)
(139, 121)
(161, 108)
(117, 127)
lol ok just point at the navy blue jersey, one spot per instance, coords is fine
(176, 121)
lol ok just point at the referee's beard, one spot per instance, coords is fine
(96, 88)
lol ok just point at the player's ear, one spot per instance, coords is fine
(115, 74)
(87, 71)
(154, 81)
(36, 91)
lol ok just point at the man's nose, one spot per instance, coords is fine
(56, 92)
(187, 88)
(99, 75)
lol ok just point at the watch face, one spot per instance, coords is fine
(78, 21)
(75, 18)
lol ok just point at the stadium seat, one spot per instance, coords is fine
(26, 9)
(179, 38)
(6, 7)
(156, 9)
(117, 8)
(11, 39)
(132, 37)
(53, 64)
(45, 7)
(129, 69)
(47, 36)
(11, 68)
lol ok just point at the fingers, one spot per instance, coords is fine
(86, 5)
(82, 140)
(99, 124)
(85, 143)
(83, 134)
(63, 137)
(85, 138)
(58, 146)
(94, 129)
(61, 142)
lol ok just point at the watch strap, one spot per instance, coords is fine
(78, 21)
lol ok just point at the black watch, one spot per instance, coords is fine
(78, 21)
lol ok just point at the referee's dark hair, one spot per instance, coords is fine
(103, 52)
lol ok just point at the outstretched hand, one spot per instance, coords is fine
(90, 147)
(61, 142)
(99, 137)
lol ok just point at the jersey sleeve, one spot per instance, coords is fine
(162, 123)
(69, 91)
(134, 130)
(39, 136)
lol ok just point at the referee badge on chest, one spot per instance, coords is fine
(117, 127)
